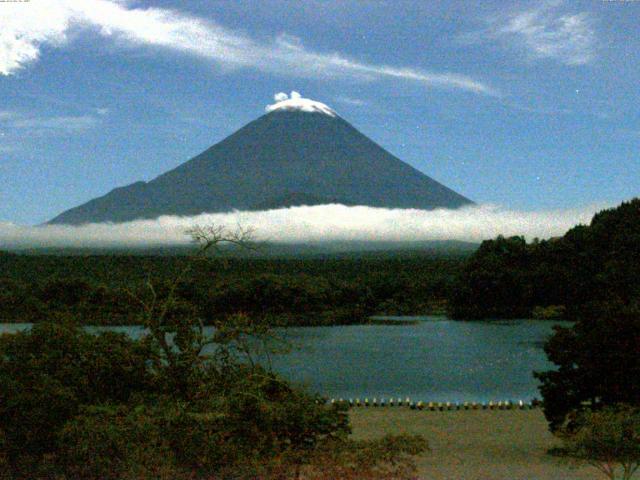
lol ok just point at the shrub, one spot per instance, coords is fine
(608, 439)
(49, 371)
(116, 442)
(598, 362)
(175, 404)
(391, 457)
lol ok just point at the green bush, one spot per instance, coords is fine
(116, 442)
(551, 312)
(608, 439)
(49, 371)
(597, 359)
(105, 406)
(508, 277)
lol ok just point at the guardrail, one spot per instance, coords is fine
(437, 406)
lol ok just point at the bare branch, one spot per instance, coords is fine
(163, 318)
(210, 238)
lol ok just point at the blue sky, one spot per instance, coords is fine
(534, 106)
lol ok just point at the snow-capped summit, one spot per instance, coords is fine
(284, 158)
(295, 101)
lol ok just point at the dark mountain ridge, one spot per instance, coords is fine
(281, 159)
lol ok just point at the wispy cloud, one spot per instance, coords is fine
(26, 27)
(6, 148)
(545, 32)
(65, 124)
(536, 109)
(313, 224)
(6, 115)
(17, 128)
(351, 101)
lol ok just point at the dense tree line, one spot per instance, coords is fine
(561, 277)
(102, 289)
(590, 275)
(505, 277)
(175, 404)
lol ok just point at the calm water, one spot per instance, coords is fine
(434, 359)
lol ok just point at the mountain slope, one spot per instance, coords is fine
(286, 157)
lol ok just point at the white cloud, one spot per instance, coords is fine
(26, 27)
(65, 124)
(68, 124)
(351, 101)
(6, 115)
(546, 33)
(295, 101)
(312, 224)
(280, 97)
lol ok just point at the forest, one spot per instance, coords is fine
(106, 289)
(560, 277)
(77, 405)
(557, 278)
(106, 406)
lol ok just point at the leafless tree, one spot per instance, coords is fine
(177, 329)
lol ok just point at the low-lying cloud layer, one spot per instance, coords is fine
(322, 223)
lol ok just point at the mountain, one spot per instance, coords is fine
(299, 153)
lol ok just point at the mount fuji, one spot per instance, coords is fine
(301, 152)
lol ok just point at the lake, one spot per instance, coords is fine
(429, 359)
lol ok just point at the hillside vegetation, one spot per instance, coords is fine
(103, 289)
(504, 278)
(561, 277)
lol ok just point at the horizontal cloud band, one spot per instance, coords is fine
(322, 223)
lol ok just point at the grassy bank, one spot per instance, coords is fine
(475, 444)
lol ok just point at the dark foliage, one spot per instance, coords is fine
(177, 403)
(599, 263)
(100, 290)
(598, 362)
(48, 372)
(608, 439)
(78, 405)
